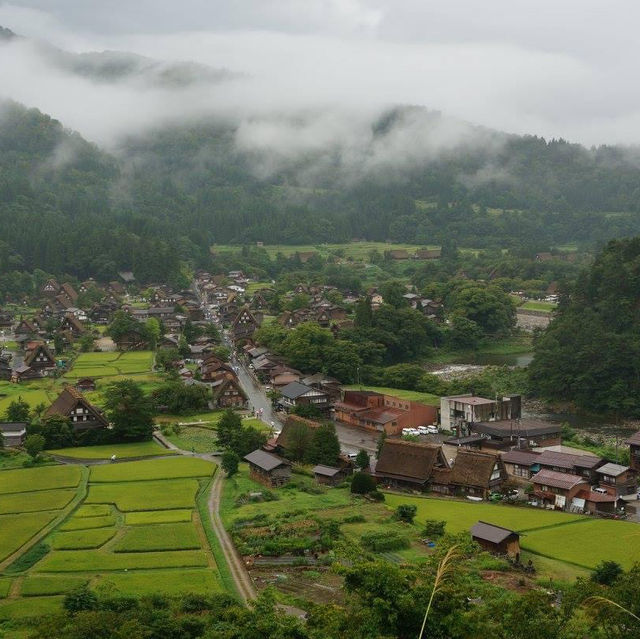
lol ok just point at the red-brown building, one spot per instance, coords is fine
(558, 489)
(634, 451)
(378, 412)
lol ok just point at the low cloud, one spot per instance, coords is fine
(312, 78)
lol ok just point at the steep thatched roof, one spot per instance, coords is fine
(409, 461)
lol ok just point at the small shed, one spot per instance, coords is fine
(13, 433)
(85, 384)
(329, 475)
(497, 540)
(268, 469)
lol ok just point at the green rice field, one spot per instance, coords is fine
(111, 364)
(179, 467)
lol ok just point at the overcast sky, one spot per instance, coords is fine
(558, 68)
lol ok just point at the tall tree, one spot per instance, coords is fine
(129, 410)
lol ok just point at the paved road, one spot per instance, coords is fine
(256, 395)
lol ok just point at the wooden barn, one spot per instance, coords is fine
(496, 540)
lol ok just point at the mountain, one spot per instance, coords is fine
(168, 194)
(590, 354)
(111, 67)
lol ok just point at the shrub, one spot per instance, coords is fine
(606, 572)
(376, 495)
(80, 599)
(406, 513)
(361, 484)
(354, 519)
(434, 528)
(384, 541)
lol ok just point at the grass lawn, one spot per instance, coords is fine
(554, 568)
(31, 502)
(41, 478)
(175, 468)
(158, 537)
(461, 516)
(157, 517)
(150, 495)
(169, 582)
(78, 539)
(121, 451)
(88, 523)
(16, 530)
(532, 305)
(414, 396)
(196, 439)
(517, 345)
(588, 543)
(97, 560)
(39, 585)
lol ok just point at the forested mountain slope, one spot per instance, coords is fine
(167, 194)
(590, 354)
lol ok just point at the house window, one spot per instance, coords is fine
(520, 471)
(495, 473)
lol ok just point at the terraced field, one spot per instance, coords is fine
(134, 526)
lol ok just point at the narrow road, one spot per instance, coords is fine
(257, 397)
(241, 577)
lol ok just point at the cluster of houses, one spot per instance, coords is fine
(492, 448)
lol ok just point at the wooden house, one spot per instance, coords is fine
(268, 469)
(73, 405)
(39, 357)
(473, 473)
(409, 464)
(86, 384)
(617, 479)
(227, 392)
(26, 327)
(131, 341)
(496, 540)
(50, 288)
(329, 475)
(72, 325)
(557, 489)
(69, 292)
(297, 394)
(244, 325)
(24, 373)
(521, 433)
(397, 254)
(521, 465)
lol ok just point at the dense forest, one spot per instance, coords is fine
(590, 354)
(165, 196)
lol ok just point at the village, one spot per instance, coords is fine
(463, 445)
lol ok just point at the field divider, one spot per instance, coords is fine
(564, 561)
(203, 499)
(556, 525)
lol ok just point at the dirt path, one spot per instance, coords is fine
(239, 573)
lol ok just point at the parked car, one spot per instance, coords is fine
(432, 430)
(423, 430)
